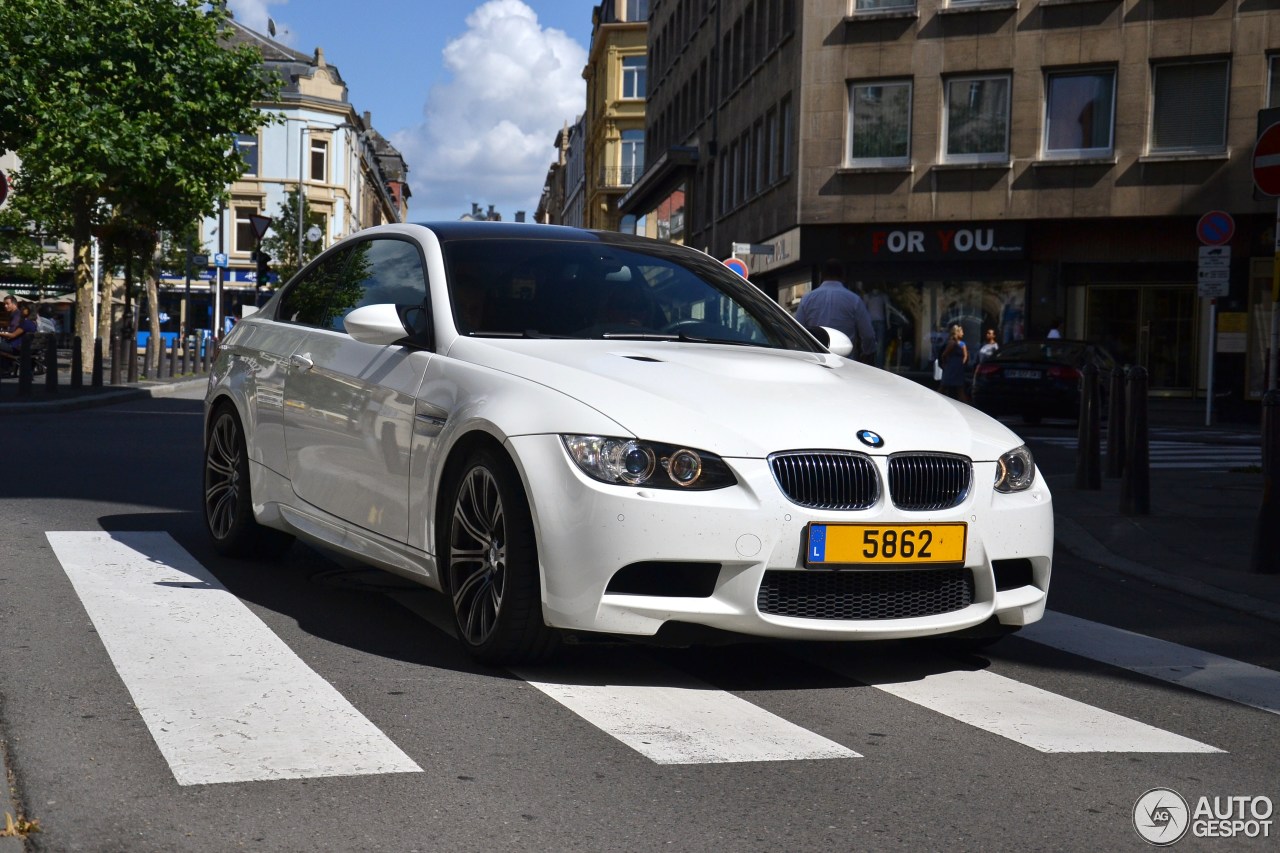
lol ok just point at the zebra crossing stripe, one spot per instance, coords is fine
(665, 715)
(224, 698)
(1020, 712)
(672, 718)
(1197, 670)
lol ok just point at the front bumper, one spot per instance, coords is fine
(588, 531)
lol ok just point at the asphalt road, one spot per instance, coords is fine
(903, 746)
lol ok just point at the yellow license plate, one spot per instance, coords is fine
(886, 544)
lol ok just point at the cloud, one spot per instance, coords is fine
(488, 131)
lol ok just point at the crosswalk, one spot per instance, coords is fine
(1174, 453)
(226, 700)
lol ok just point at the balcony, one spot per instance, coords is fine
(624, 177)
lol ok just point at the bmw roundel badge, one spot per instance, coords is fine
(869, 438)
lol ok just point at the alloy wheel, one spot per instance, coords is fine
(222, 487)
(478, 555)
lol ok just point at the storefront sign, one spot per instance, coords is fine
(938, 241)
(785, 250)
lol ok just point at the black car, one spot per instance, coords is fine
(1039, 378)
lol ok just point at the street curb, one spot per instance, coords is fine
(8, 844)
(1080, 542)
(106, 398)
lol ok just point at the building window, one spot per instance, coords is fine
(635, 10)
(632, 156)
(1189, 107)
(1273, 81)
(1079, 113)
(873, 5)
(319, 160)
(784, 139)
(247, 148)
(977, 119)
(633, 76)
(246, 237)
(880, 123)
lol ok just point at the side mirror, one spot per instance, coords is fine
(375, 324)
(836, 341)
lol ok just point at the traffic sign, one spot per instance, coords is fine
(1266, 161)
(200, 260)
(221, 260)
(260, 224)
(1215, 228)
(737, 265)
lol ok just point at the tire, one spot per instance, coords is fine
(228, 502)
(490, 564)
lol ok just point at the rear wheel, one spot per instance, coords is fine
(228, 502)
(491, 567)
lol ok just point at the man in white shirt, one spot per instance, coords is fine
(833, 305)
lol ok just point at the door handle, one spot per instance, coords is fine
(302, 362)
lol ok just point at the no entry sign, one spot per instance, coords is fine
(737, 265)
(1266, 161)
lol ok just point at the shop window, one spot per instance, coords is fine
(1079, 118)
(977, 119)
(880, 123)
(1189, 107)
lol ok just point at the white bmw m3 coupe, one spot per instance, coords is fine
(584, 433)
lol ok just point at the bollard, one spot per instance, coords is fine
(186, 355)
(96, 380)
(77, 364)
(1135, 483)
(51, 365)
(148, 359)
(130, 348)
(1088, 443)
(205, 354)
(173, 358)
(1266, 537)
(1115, 423)
(115, 359)
(24, 367)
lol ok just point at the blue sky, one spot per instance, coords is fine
(471, 91)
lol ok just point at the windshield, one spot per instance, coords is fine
(608, 290)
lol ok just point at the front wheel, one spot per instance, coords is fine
(491, 567)
(228, 502)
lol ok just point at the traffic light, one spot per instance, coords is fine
(263, 270)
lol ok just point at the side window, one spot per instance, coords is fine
(380, 272)
(307, 300)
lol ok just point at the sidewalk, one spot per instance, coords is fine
(1198, 537)
(66, 398)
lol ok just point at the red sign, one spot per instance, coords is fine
(1216, 228)
(1266, 161)
(737, 265)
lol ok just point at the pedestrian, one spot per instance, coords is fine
(953, 359)
(989, 346)
(19, 324)
(833, 305)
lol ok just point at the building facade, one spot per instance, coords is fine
(998, 163)
(349, 174)
(614, 121)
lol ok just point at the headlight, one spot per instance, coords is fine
(634, 462)
(1015, 471)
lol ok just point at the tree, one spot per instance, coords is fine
(121, 109)
(282, 242)
(22, 251)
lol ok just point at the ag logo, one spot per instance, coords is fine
(869, 438)
(1161, 816)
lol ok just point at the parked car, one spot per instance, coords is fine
(1039, 378)
(588, 433)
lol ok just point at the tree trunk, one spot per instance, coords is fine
(153, 309)
(82, 239)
